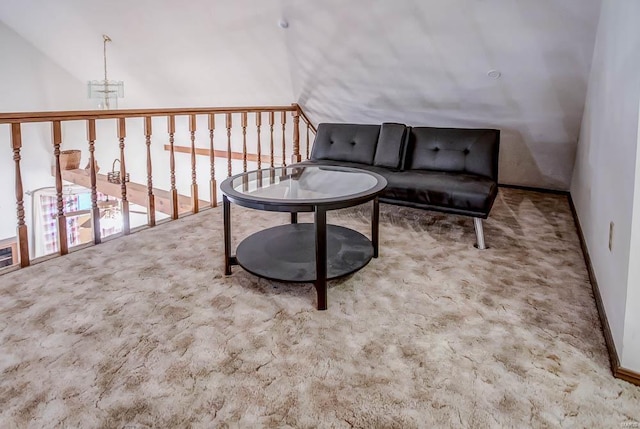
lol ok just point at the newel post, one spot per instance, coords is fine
(295, 157)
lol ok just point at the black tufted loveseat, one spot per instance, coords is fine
(451, 170)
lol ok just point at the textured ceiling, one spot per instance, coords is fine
(422, 62)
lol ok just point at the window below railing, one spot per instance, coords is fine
(8, 252)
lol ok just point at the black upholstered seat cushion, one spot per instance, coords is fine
(464, 193)
(346, 142)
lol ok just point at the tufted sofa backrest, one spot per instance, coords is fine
(346, 142)
(473, 151)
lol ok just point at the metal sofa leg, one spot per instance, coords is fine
(477, 223)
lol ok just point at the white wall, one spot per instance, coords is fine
(33, 81)
(29, 81)
(605, 172)
(422, 62)
(631, 351)
(426, 63)
(169, 53)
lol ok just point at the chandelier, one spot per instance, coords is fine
(106, 92)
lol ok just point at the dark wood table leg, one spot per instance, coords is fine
(227, 234)
(321, 257)
(294, 217)
(375, 221)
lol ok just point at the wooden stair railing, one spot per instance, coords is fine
(309, 129)
(153, 198)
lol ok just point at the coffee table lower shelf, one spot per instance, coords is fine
(287, 252)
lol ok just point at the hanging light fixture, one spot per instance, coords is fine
(106, 91)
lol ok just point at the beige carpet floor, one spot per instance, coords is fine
(146, 331)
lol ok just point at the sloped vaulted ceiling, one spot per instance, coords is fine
(421, 62)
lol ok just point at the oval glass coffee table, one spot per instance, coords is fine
(303, 252)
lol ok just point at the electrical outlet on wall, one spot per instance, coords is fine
(610, 235)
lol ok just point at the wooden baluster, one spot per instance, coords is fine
(259, 149)
(63, 241)
(21, 230)
(307, 140)
(173, 194)
(213, 187)
(283, 119)
(95, 211)
(229, 125)
(295, 156)
(243, 124)
(271, 123)
(126, 221)
(151, 199)
(244, 141)
(194, 181)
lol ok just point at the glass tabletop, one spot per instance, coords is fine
(304, 184)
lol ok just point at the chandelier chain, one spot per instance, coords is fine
(106, 81)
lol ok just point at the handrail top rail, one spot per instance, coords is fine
(76, 115)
